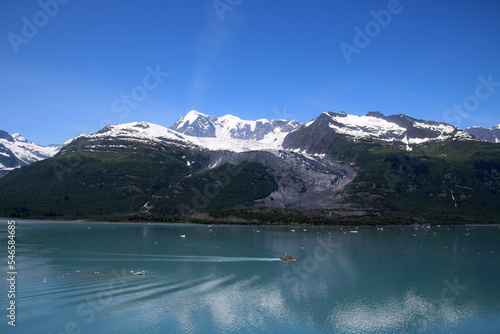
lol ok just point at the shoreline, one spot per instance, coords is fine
(413, 225)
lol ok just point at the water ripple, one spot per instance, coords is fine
(412, 313)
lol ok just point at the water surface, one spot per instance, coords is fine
(78, 278)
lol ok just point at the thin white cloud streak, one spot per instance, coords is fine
(210, 47)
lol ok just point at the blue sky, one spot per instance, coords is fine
(73, 66)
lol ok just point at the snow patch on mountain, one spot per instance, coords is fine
(364, 126)
(142, 131)
(17, 151)
(151, 133)
(394, 128)
(28, 151)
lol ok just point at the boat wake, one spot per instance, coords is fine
(186, 258)
(191, 258)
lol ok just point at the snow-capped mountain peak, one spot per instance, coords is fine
(137, 130)
(17, 151)
(227, 128)
(191, 117)
(394, 128)
(197, 124)
(19, 138)
(232, 133)
(229, 119)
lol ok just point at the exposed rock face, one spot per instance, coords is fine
(304, 182)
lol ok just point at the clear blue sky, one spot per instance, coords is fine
(265, 59)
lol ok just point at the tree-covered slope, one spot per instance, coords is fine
(453, 181)
(223, 187)
(118, 180)
(89, 184)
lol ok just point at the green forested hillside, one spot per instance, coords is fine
(97, 185)
(453, 181)
(223, 187)
(92, 185)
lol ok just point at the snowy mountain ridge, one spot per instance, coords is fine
(399, 130)
(152, 133)
(230, 133)
(197, 124)
(17, 151)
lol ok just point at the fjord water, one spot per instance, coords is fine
(76, 278)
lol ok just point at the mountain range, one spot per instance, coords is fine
(336, 168)
(17, 151)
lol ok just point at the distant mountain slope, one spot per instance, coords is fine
(17, 151)
(491, 135)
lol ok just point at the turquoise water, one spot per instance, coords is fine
(76, 278)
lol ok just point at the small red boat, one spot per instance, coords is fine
(287, 257)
